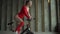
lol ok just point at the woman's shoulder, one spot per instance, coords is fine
(24, 7)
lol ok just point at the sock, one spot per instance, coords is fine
(17, 32)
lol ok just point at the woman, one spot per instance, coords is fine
(24, 12)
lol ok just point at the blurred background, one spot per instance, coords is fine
(45, 14)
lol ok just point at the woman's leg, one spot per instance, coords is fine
(20, 24)
(18, 28)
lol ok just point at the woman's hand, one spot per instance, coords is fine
(29, 18)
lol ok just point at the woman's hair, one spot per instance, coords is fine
(27, 1)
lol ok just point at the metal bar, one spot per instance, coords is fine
(0, 12)
(43, 24)
(49, 7)
(5, 23)
(36, 23)
(8, 13)
(11, 12)
(57, 12)
(59, 7)
(3, 15)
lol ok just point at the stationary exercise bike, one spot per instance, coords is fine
(27, 30)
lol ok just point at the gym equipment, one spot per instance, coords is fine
(27, 30)
(10, 25)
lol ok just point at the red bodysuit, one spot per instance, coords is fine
(21, 14)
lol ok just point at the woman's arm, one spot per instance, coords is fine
(27, 14)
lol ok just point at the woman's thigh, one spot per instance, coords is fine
(17, 20)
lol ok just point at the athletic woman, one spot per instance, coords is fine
(24, 12)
